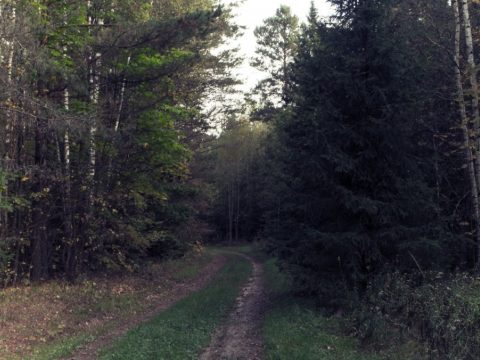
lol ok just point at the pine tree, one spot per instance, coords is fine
(359, 199)
(276, 46)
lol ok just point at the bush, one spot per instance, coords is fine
(6, 258)
(166, 245)
(443, 312)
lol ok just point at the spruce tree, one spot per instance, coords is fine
(277, 41)
(358, 199)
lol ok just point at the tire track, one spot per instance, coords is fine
(240, 338)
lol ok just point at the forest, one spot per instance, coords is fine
(340, 196)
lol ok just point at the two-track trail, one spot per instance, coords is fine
(90, 351)
(240, 338)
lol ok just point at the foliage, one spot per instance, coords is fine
(277, 41)
(296, 329)
(3, 186)
(237, 171)
(439, 309)
(361, 180)
(98, 130)
(357, 198)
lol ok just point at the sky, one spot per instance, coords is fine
(251, 14)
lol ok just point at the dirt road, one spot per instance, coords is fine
(240, 338)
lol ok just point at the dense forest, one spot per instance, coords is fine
(102, 110)
(355, 161)
(361, 156)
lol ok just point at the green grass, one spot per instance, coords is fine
(85, 301)
(296, 330)
(61, 349)
(182, 331)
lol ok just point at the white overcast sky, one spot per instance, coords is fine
(251, 14)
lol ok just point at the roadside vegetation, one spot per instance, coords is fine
(435, 316)
(439, 319)
(299, 328)
(50, 320)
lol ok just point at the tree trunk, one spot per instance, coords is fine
(230, 213)
(116, 126)
(9, 126)
(38, 243)
(94, 63)
(9, 155)
(472, 173)
(122, 99)
(237, 206)
(70, 247)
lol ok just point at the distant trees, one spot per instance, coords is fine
(277, 41)
(237, 174)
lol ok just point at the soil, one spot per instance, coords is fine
(240, 338)
(91, 350)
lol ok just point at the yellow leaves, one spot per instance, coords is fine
(44, 193)
(9, 104)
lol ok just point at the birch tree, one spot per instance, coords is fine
(464, 122)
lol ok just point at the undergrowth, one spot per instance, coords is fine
(296, 329)
(442, 312)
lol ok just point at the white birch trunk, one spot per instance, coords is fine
(66, 107)
(9, 116)
(9, 125)
(116, 126)
(122, 99)
(472, 72)
(94, 99)
(67, 201)
(66, 136)
(473, 175)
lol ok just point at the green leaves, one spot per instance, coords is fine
(159, 139)
(9, 202)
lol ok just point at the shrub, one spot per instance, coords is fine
(444, 312)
